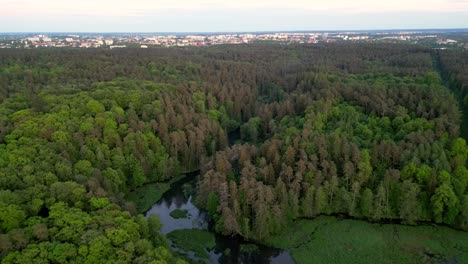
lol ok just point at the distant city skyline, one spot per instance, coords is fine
(228, 16)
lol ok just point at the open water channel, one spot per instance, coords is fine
(227, 249)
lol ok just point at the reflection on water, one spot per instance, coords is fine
(195, 219)
(227, 249)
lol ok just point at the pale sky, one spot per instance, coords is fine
(228, 15)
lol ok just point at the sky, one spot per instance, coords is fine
(228, 15)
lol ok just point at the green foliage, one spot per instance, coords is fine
(138, 177)
(270, 92)
(409, 204)
(251, 131)
(199, 98)
(364, 167)
(349, 241)
(212, 204)
(248, 248)
(361, 164)
(99, 203)
(366, 203)
(459, 151)
(95, 107)
(145, 196)
(193, 240)
(83, 167)
(360, 129)
(117, 236)
(444, 203)
(11, 216)
(178, 214)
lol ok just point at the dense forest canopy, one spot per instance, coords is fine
(365, 130)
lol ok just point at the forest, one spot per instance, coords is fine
(367, 131)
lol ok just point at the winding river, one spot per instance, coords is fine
(227, 249)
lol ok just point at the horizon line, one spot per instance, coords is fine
(244, 31)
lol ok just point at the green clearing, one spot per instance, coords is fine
(248, 248)
(196, 241)
(329, 240)
(145, 196)
(178, 214)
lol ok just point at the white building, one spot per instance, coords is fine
(33, 39)
(117, 46)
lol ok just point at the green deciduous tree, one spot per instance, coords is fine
(444, 204)
(366, 203)
(11, 216)
(409, 203)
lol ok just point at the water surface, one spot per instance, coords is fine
(227, 249)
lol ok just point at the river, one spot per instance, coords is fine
(227, 249)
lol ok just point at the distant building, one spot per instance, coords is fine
(85, 44)
(33, 39)
(117, 46)
(144, 46)
(445, 41)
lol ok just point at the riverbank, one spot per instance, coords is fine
(328, 239)
(195, 225)
(325, 239)
(150, 193)
(147, 195)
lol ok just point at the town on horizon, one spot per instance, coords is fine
(440, 38)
